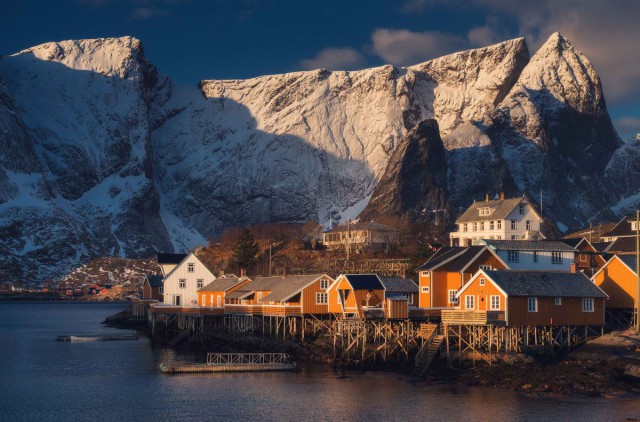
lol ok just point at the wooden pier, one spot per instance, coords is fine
(235, 362)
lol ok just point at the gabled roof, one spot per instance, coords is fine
(530, 245)
(463, 261)
(501, 210)
(364, 281)
(396, 297)
(623, 245)
(442, 256)
(543, 283)
(222, 284)
(457, 259)
(629, 261)
(361, 226)
(601, 246)
(286, 287)
(398, 285)
(185, 259)
(171, 258)
(574, 242)
(623, 228)
(154, 280)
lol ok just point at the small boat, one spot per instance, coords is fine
(98, 337)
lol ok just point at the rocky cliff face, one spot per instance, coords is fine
(101, 155)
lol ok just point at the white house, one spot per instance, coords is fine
(543, 255)
(501, 219)
(182, 283)
(168, 261)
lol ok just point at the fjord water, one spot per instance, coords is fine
(42, 379)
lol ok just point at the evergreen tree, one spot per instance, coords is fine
(245, 251)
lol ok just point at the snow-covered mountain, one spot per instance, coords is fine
(102, 155)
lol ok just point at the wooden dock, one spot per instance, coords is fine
(234, 362)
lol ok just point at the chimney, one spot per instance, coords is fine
(243, 272)
(501, 195)
(486, 198)
(573, 267)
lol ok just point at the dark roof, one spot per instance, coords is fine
(623, 228)
(281, 287)
(623, 245)
(573, 242)
(441, 256)
(463, 260)
(364, 281)
(629, 260)
(171, 258)
(398, 285)
(601, 246)
(545, 283)
(222, 284)
(530, 245)
(361, 226)
(155, 280)
(501, 210)
(396, 296)
(458, 258)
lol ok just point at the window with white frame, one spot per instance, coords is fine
(464, 227)
(499, 224)
(514, 224)
(514, 237)
(486, 267)
(482, 226)
(200, 283)
(513, 256)
(482, 281)
(190, 268)
(491, 226)
(425, 289)
(587, 304)
(528, 223)
(161, 290)
(556, 257)
(469, 302)
(495, 302)
(452, 296)
(485, 211)
(424, 273)
(324, 284)
(183, 283)
(558, 301)
(409, 297)
(532, 304)
(475, 227)
(321, 298)
(583, 257)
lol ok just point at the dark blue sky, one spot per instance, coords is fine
(192, 40)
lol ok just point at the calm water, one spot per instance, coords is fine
(45, 380)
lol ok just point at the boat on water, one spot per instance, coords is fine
(98, 337)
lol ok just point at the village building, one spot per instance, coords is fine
(168, 261)
(444, 274)
(618, 278)
(530, 298)
(152, 288)
(213, 294)
(588, 259)
(622, 236)
(501, 219)
(401, 297)
(547, 255)
(356, 294)
(358, 237)
(182, 283)
(290, 295)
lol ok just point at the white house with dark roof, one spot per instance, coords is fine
(182, 283)
(541, 255)
(501, 219)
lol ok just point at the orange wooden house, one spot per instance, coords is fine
(291, 295)
(444, 274)
(152, 288)
(213, 294)
(356, 294)
(618, 279)
(529, 298)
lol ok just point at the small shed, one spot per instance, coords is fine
(396, 306)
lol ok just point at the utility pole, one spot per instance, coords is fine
(348, 238)
(270, 243)
(638, 270)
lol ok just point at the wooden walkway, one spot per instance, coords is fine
(234, 362)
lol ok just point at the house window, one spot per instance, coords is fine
(183, 283)
(485, 211)
(535, 256)
(324, 284)
(409, 297)
(491, 225)
(587, 304)
(532, 304)
(514, 237)
(521, 209)
(464, 227)
(452, 296)
(321, 298)
(556, 257)
(425, 289)
(558, 301)
(469, 302)
(513, 256)
(424, 273)
(495, 302)
(482, 226)
(482, 281)
(529, 225)
(514, 225)
(583, 257)
(499, 224)
(485, 267)
(161, 290)
(200, 283)
(190, 268)
(499, 237)
(475, 227)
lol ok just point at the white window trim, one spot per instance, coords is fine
(470, 299)
(497, 307)
(452, 296)
(191, 267)
(182, 283)
(486, 267)
(324, 284)
(199, 283)
(482, 281)
(556, 258)
(591, 307)
(535, 304)
(322, 298)
(583, 257)
(424, 289)
(558, 301)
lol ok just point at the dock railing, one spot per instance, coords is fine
(247, 358)
(472, 317)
